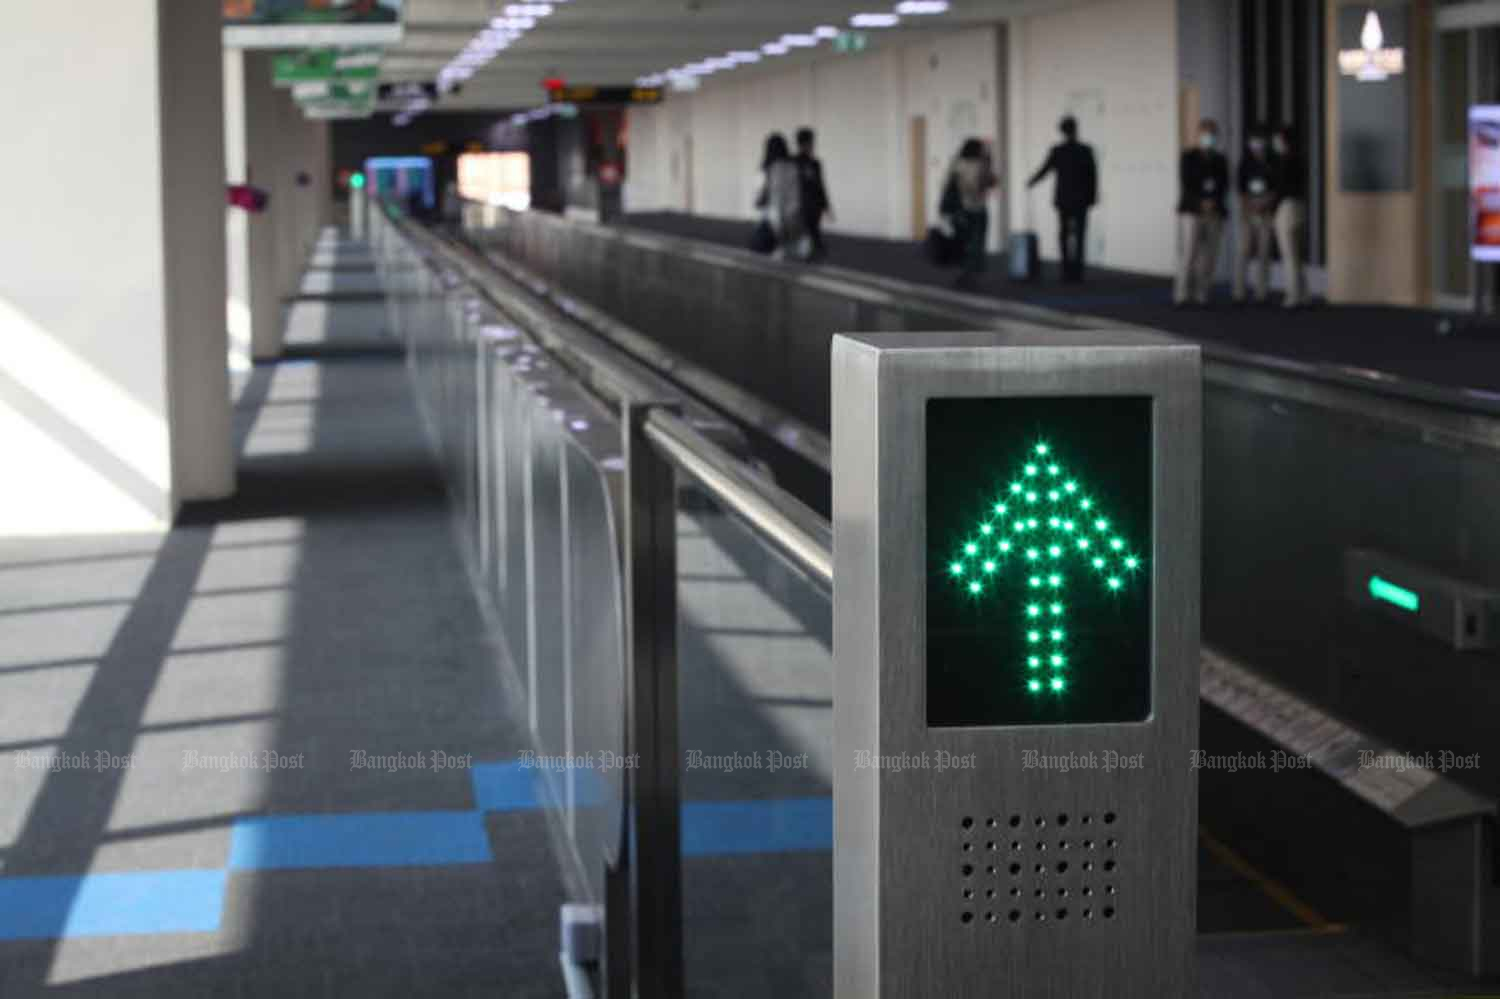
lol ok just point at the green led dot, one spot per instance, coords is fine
(974, 587)
(1114, 582)
(1031, 497)
(1054, 581)
(1030, 469)
(986, 529)
(1042, 448)
(1053, 470)
(1032, 555)
(1102, 524)
(1015, 487)
(1031, 523)
(1053, 495)
(971, 548)
(957, 568)
(1098, 563)
(1057, 660)
(1034, 686)
(1001, 508)
(1083, 544)
(1005, 546)
(1033, 636)
(1035, 581)
(1068, 526)
(1057, 634)
(1116, 544)
(1057, 610)
(1053, 522)
(1033, 610)
(1020, 526)
(1055, 551)
(989, 565)
(1132, 563)
(1058, 684)
(1034, 661)
(1087, 504)
(1070, 487)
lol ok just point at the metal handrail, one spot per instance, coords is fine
(795, 528)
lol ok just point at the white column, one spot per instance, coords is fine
(250, 126)
(114, 401)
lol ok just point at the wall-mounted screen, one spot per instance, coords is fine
(1484, 181)
(287, 24)
(1039, 553)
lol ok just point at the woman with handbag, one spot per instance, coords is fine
(965, 205)
(781, 229)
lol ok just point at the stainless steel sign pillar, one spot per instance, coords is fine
(1016, 664)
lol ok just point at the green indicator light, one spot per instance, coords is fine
(357, 181)
(971, 549)
(1102, 524)
(957, 568)
(1057, 610)
(1031, 523)
(1055, 551)
(1053, 522)
(1116, 544)
(1114, 582)
(1034, 686)
(1042, 448)
(1030, 469)
(1083, 544)
(1132, 563)
(1015, 487)
(1087, 504)
(1033, 636)
(985, 528)
(1034, 662)
(1020, 526)
(1005, 546)
(1057, 660)
(1098, 563)
(1397, 596)
(1058, 684)
(1070, 487)
(1068, 526)
(1054, 581)
(974, 587)
(1053, 495)
(1001, 508)
(1031, 497)
(989, 565)
(1032, 554)
(1057, 634)
(1053, 470)
(1035, 581)
(1033, 610)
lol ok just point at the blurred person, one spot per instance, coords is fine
(1204, 175)
(1074, 192)
(815, 201)
(780, 201)
(971, 178)
(1289, 187)
(1257, 204)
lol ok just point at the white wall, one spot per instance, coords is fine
(1114, 66)
(98, 299)
(860, 106)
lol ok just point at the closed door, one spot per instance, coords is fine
(917, 143)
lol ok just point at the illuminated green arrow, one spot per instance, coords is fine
(1048, 527)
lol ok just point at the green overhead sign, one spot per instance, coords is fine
(326, 64)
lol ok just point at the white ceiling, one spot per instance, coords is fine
(615, 41)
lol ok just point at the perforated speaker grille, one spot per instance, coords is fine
(1038, 870)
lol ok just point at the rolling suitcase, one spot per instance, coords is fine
(1025, 262)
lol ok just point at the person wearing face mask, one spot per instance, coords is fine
(1289, 185)
(1257, 204)
(1204, 176)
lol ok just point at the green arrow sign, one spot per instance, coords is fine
(1047, 529)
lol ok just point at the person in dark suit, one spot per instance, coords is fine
(815, 201)
(1073, 194)
(1203, 173)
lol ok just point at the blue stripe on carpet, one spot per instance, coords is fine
(368, 839)
(783, 825)
(111, 904)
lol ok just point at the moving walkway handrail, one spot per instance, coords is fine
(793, 527)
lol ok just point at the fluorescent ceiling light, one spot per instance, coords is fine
(826, 31)
(745, 56)
(528, 9)
(922, 7)
(875, 20)
(799, 41)
(775, 48)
